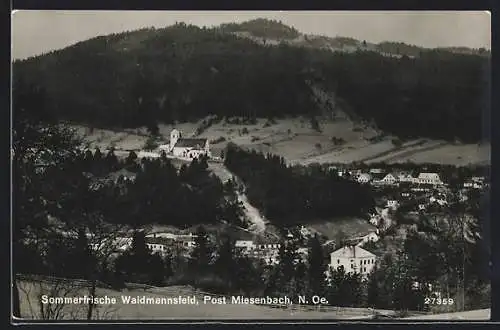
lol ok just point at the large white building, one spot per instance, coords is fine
(429, 178)
(187, 148)
(353, 259)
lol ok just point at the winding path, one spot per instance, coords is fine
(252, 214)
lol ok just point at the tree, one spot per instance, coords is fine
(344, 289)
(150, 144)
(131, 158)
(316, 267)
(201, 256)
(225, 263)
(40, 146)
(282, 281)
(340, 238)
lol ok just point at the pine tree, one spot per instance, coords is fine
(316, 267)
(285, 270)
(157, 270)
(139, 247)
(82, 255)
(131, 158)
(201, 256)
(225, 262)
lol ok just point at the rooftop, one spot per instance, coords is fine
(191, 143)
(352, 252)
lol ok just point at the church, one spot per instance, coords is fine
(187, 148)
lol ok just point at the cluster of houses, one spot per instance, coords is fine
(379, 177)
(422, 182)
(164, 243)
(476, 182)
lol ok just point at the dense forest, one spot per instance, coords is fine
(288, 195)
(184, 72)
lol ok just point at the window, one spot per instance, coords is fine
(338, 261)
(364, 269)
(352, 265)
(361, 262)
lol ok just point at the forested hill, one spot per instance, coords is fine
(184, 72)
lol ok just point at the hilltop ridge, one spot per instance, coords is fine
(183, 73)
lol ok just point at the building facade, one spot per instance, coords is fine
(353, 259)
(188, 148)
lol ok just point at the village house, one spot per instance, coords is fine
(376, 179)
(468, 184)
(361, 240)
(353, 259)
(188, 147)
(245, 246)
(355, 173)
(405, 177)
(162, 235)
(389, 179)
(158, 245)
(186, 241)
(364, 178)
(266, 251)
(477, 179)
(429, 179)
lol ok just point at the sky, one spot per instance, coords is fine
(37, 32)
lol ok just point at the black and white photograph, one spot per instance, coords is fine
(250, 166)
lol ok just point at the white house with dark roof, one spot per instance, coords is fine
(429, 178)
(364, 178)
(353, 259)
(390, 179)
(405, 177)
(188, 147)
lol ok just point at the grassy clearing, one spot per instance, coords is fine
(297, 142)
(351, 227)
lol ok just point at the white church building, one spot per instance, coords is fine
(186, 147)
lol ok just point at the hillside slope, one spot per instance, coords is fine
(183, 73)
(298, 143)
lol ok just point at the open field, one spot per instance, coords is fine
(351, 227)
(30, 291)
(297, 142)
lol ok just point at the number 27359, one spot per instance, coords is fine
(439, 301)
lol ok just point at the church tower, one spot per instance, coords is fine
(174, 137)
